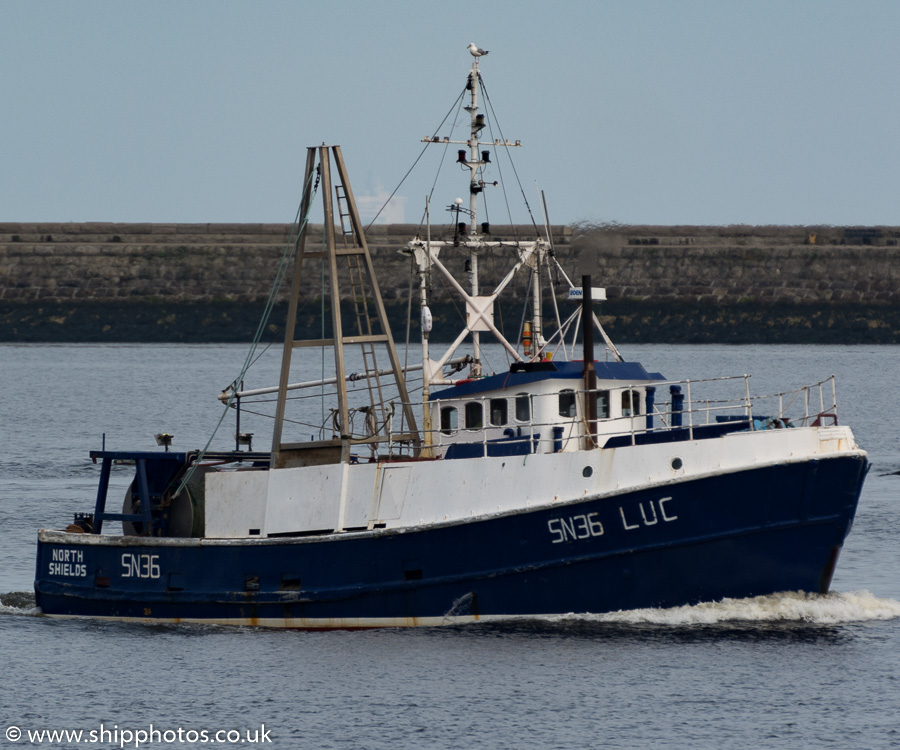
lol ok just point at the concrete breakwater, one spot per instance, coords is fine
(209, 282)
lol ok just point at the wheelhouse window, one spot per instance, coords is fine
(567, 403)
(523, 407)
(449, 420)
(631, 404)
(602, 404)
(498, 412)
(474, 416)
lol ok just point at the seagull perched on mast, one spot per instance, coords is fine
(477, 51)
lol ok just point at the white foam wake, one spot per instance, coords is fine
(18, 603)
(793, 606)
(822, 609)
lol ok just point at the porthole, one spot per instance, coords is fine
(587, 471)
(677, 463)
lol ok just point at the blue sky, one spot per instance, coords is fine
(691, 112)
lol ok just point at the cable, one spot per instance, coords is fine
(300, 223)
(421, 154)
(511, 162)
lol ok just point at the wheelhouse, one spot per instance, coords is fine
(540, 407)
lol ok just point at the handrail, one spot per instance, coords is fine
(742, 405)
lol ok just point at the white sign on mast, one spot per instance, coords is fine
(598, 294)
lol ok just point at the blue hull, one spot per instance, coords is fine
(754, 532)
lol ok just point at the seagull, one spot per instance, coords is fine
(477, 51)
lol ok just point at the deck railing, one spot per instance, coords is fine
(681, 411)
(686, 405)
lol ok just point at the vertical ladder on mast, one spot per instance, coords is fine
(357, 293)
(362, 279)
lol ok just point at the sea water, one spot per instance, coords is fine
(790, 670)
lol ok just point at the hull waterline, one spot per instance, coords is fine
(778, 528)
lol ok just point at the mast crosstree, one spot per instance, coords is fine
(474, 237)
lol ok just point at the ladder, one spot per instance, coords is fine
(372, 328)
(355, 272)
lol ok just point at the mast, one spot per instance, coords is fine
(425, 318)
(529, 254)
(589, 373)
(475, 161)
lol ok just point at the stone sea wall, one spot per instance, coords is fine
(209, 282)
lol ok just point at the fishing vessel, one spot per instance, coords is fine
(561, 482)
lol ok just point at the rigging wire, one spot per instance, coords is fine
(418, 158)
(457, 105)
(430, 195)
(512, 163)
(350, 391)
(414, 385)
(290, 248)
